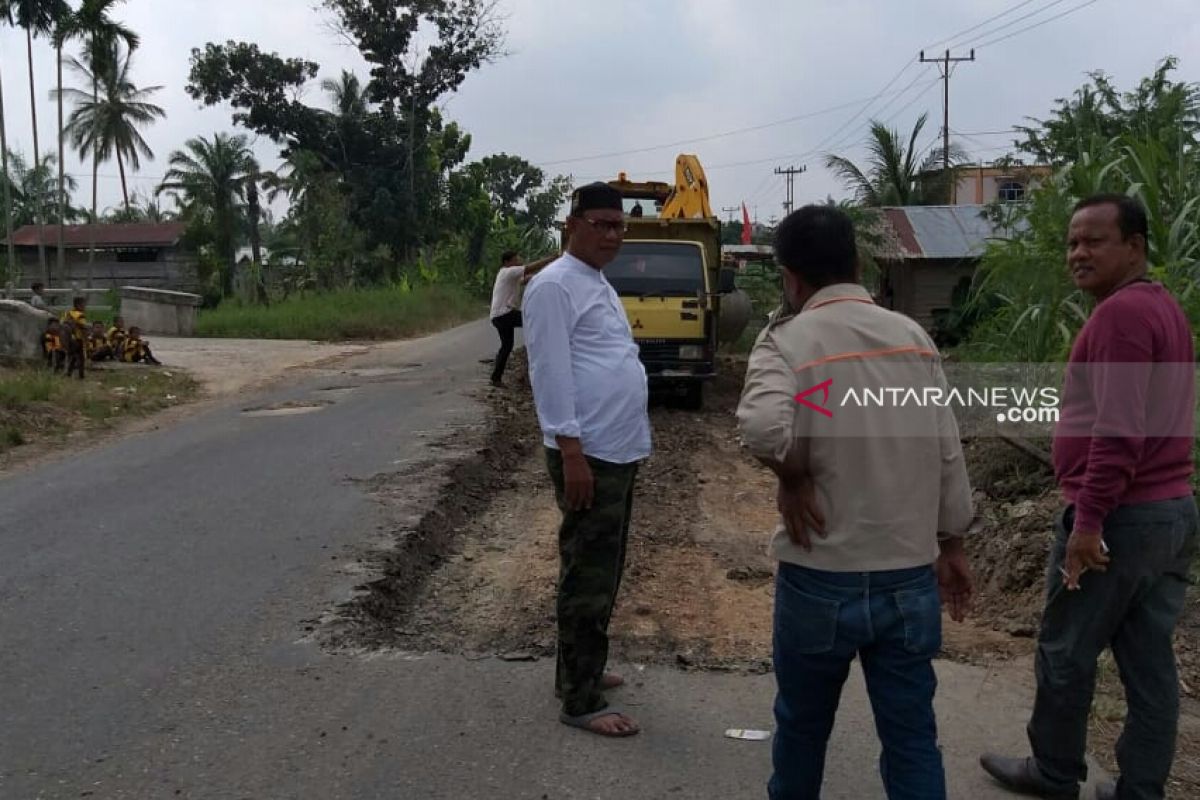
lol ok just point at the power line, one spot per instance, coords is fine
(763, 186)
(846, 141)
(867, 104)
(974, 28)
(879, 112)
(813, 150)
(709, 138)
(1071, 10)
(913, 102)
(1010, 23)
(980, 146)
(842, 142)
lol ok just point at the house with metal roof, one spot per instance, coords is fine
(940, 247)
(148, 254)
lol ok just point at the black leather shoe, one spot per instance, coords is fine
(1106, 791)
(1021, 775)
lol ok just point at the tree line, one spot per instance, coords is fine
(376, 182)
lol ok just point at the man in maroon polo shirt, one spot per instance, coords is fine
(1118, 570)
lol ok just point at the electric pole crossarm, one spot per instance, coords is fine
(790, 174)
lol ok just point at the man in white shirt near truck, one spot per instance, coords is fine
(506, 305)
(590, 390)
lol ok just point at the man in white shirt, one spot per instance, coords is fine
(506, 304)
(590, 391)
(37, 299)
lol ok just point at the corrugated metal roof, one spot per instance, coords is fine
(943, 232)
(107, 234)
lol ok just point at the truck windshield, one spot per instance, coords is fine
(657, 268)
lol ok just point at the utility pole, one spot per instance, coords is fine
(790, 174)
(944, 67)
(729, 210)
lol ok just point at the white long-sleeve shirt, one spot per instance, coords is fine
(506, 291)
(587, 380)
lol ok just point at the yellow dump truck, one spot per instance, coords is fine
(668, 274)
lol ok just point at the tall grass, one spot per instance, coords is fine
(19, 388)
(36, 404)
(392, 312)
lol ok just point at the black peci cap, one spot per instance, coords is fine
(597, 195)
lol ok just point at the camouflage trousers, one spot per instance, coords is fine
(591, 549)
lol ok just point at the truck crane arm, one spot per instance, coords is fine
(689, 198)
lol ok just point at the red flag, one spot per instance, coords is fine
(745, 225)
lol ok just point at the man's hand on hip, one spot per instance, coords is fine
(797, 502)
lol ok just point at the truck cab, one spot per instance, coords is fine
(668, 275)
(667, 282)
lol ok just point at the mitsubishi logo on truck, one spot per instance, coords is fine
(637, 324)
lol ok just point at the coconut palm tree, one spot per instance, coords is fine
(348, 94)
(109, 123)
(213, 178)
(895, 173)
(106, 124)
(100, 31)
(38, 18)
(34, 190)
(142, 208)
(6, 17)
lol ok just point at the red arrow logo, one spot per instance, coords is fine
(823, 387)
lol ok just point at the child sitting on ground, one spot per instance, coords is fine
(98, 347)
(116, 337)
(137, 349)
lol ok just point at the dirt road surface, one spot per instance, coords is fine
(230, 366)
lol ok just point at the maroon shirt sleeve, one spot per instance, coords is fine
(1119, 367)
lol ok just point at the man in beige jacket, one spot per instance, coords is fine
(874, 499)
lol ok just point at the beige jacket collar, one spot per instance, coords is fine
(836, 292)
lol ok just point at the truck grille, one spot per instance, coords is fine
(652, 352)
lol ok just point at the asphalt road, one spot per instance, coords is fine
(154, 593)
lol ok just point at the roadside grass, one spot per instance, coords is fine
(381, 313)
(37, 405)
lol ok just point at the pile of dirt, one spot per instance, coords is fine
(428, 506)
(1016, 498)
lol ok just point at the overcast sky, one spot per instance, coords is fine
(583, 79)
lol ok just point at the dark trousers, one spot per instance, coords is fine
(892, 621)
(75, 358)
(591, 549)
(506, 325)
(55, 359)
(1132, 608)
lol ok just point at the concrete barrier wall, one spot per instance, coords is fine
(159, 310)
(21, 328)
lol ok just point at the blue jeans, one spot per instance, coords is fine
(892, 621)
